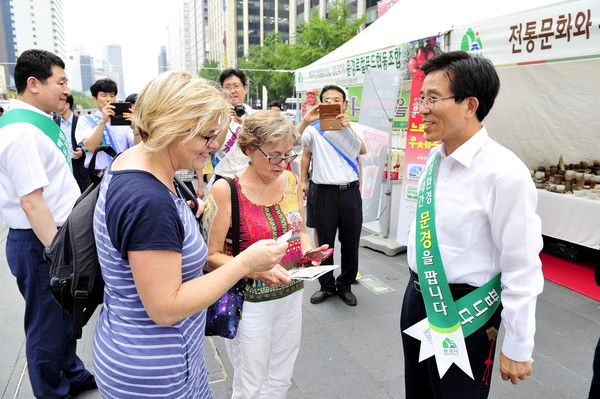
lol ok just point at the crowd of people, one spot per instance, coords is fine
(154, 260)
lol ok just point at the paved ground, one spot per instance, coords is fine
(355, 352)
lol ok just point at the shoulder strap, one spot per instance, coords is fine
(73, 128)
(42, 122)
(107, 138)
(235, 217)
(96, 178)
(235, 209)
(354, 165)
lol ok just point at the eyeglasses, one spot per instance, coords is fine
(236, 87)
(429, 102)
(276, 160)
(209, 139)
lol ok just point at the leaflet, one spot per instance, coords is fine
(311, 273)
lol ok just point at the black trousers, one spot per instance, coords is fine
(422, 380)
(338, 210)
(595, 385)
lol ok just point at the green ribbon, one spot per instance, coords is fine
(42, 122)
(444, 315)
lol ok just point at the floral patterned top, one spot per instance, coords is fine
(259, 222)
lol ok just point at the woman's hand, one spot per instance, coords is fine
(321, 248)
(275, 277)
(263, 255)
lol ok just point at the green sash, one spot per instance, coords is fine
(447, 324)
(42, 122)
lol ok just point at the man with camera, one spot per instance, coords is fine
(334, 202)
(230, 159)
(98, 129)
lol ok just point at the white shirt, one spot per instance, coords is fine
(65, 126)
(232, 159)
(122, 139)
(328, 166)
(30, 160)
(486, 223)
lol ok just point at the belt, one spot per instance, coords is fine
(454, 288)
(340, 187)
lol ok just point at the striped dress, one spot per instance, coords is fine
(133, 356)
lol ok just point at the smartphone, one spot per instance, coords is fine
(315, 255)
(117, 119)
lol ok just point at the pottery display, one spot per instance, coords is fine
(580, 179)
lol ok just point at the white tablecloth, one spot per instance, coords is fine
(570, 218)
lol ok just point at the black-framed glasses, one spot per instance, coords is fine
(429, 102)
(276, 160)
(209, 139)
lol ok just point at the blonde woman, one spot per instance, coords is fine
(149, 338)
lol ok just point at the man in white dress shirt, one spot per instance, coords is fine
(230, 159)
(96, 129)
(37, 193)
(482, 202)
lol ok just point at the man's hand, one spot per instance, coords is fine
(343, 118)
(311, 115)
(513, 370)
(235, 117)
(107, 111)
(304, 187)
(128, 116)
(78, 153)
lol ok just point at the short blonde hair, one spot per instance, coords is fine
(176, 105)
(267, 127)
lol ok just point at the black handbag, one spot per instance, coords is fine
(224, 315)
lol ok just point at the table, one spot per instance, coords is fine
(570, 218)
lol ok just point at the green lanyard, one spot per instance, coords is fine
(444, 316)
(42, 122)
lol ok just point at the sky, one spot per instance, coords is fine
(139, 26)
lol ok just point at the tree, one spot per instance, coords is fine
(314, 40)
(274, 54)
(210, 70)
(82, 99)
(321, 36)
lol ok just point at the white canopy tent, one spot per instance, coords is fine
(543, 111)
(404, 22)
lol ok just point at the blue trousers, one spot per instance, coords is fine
(52, 362)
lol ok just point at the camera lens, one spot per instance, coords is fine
(240, 110)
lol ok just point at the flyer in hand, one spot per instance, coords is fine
(311, 273)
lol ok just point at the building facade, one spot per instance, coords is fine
(163, 65)
(26, 24)
(186, 31)
(236, 25)
(114, 58)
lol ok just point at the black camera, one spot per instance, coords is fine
(239, 110)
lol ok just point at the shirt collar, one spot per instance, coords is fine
(466, 152)
(14, 103)
(67, 121)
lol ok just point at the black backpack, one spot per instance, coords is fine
(75, 278)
